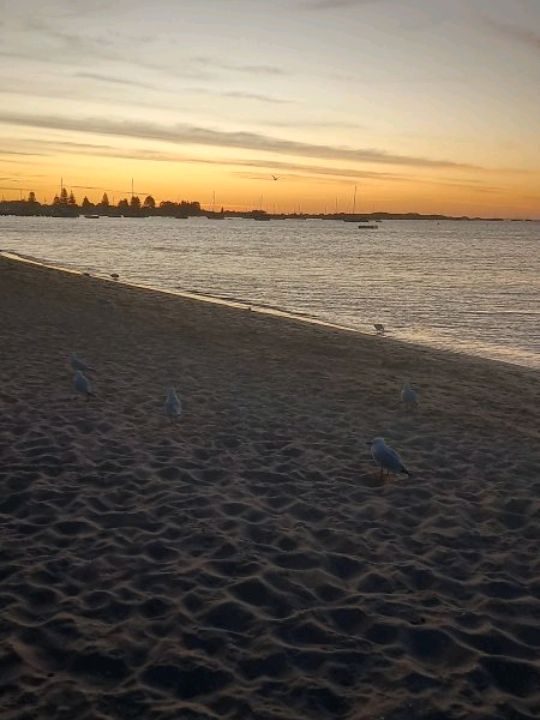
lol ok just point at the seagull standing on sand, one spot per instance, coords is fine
(78, 364)
(386, 457)
(82, 384)
(409, 396)
(173, 406)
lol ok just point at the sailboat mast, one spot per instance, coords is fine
(354, 201)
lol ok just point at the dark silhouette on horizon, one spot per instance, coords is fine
(65, 205)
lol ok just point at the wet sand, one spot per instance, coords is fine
(248, 562)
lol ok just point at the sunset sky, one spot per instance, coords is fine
(426, 105)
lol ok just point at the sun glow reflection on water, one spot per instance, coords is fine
(466, 286)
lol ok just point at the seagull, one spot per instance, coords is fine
(379, 327)
(275, 178)
(173, 406)
(386, 457)
(115, 276)
(82, 384)
(78, 364)
(409, 396)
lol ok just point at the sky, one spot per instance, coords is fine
(423, 105)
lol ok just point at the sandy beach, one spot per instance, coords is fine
(247, 561)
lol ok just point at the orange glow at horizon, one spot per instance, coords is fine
(434, 111)
(244, 190)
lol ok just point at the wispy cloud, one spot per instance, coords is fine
(261, 169)
(344, 174)
(239, 94)
(17, 188)
(522, 35)
(251, 68)
(335, 4)
(3, 151)
(315, 124)
(114, 80)
(182, 134)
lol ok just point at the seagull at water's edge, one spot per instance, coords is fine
(82, 384)
(386, 457)
(78, 363)
(173, 406)
(408, 395)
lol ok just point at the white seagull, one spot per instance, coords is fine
(386, 457)
(82, 384)
(173, 406)
(409, 396)
(78, 364)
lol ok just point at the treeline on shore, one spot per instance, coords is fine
(66, 205)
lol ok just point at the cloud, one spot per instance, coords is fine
(254, 96)
(239, 94)
(317, 124)
(522, 35)
(282, 167)
(321, 170)
(335, 4)
(113, 80)
(17, 189)
(258, 69)
(183, 134)
(17, 152)
(18, 162)
(254, 69)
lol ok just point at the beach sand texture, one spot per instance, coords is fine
(247, 561)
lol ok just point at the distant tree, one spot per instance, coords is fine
(135, 203)
(149, 202)
(190, 208)
(86, 204)
(105, 200)
(167, 209)
(32, 197)
(123, 205)
(71, 199)
(56, 200)
(63, 196)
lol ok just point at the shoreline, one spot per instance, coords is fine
(248, 561)
(260, 309)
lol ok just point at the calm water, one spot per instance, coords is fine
(468, 286)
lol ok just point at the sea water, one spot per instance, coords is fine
(467, 286)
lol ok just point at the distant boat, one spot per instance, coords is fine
(366, 225)
(213, 215)
(92, 217)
